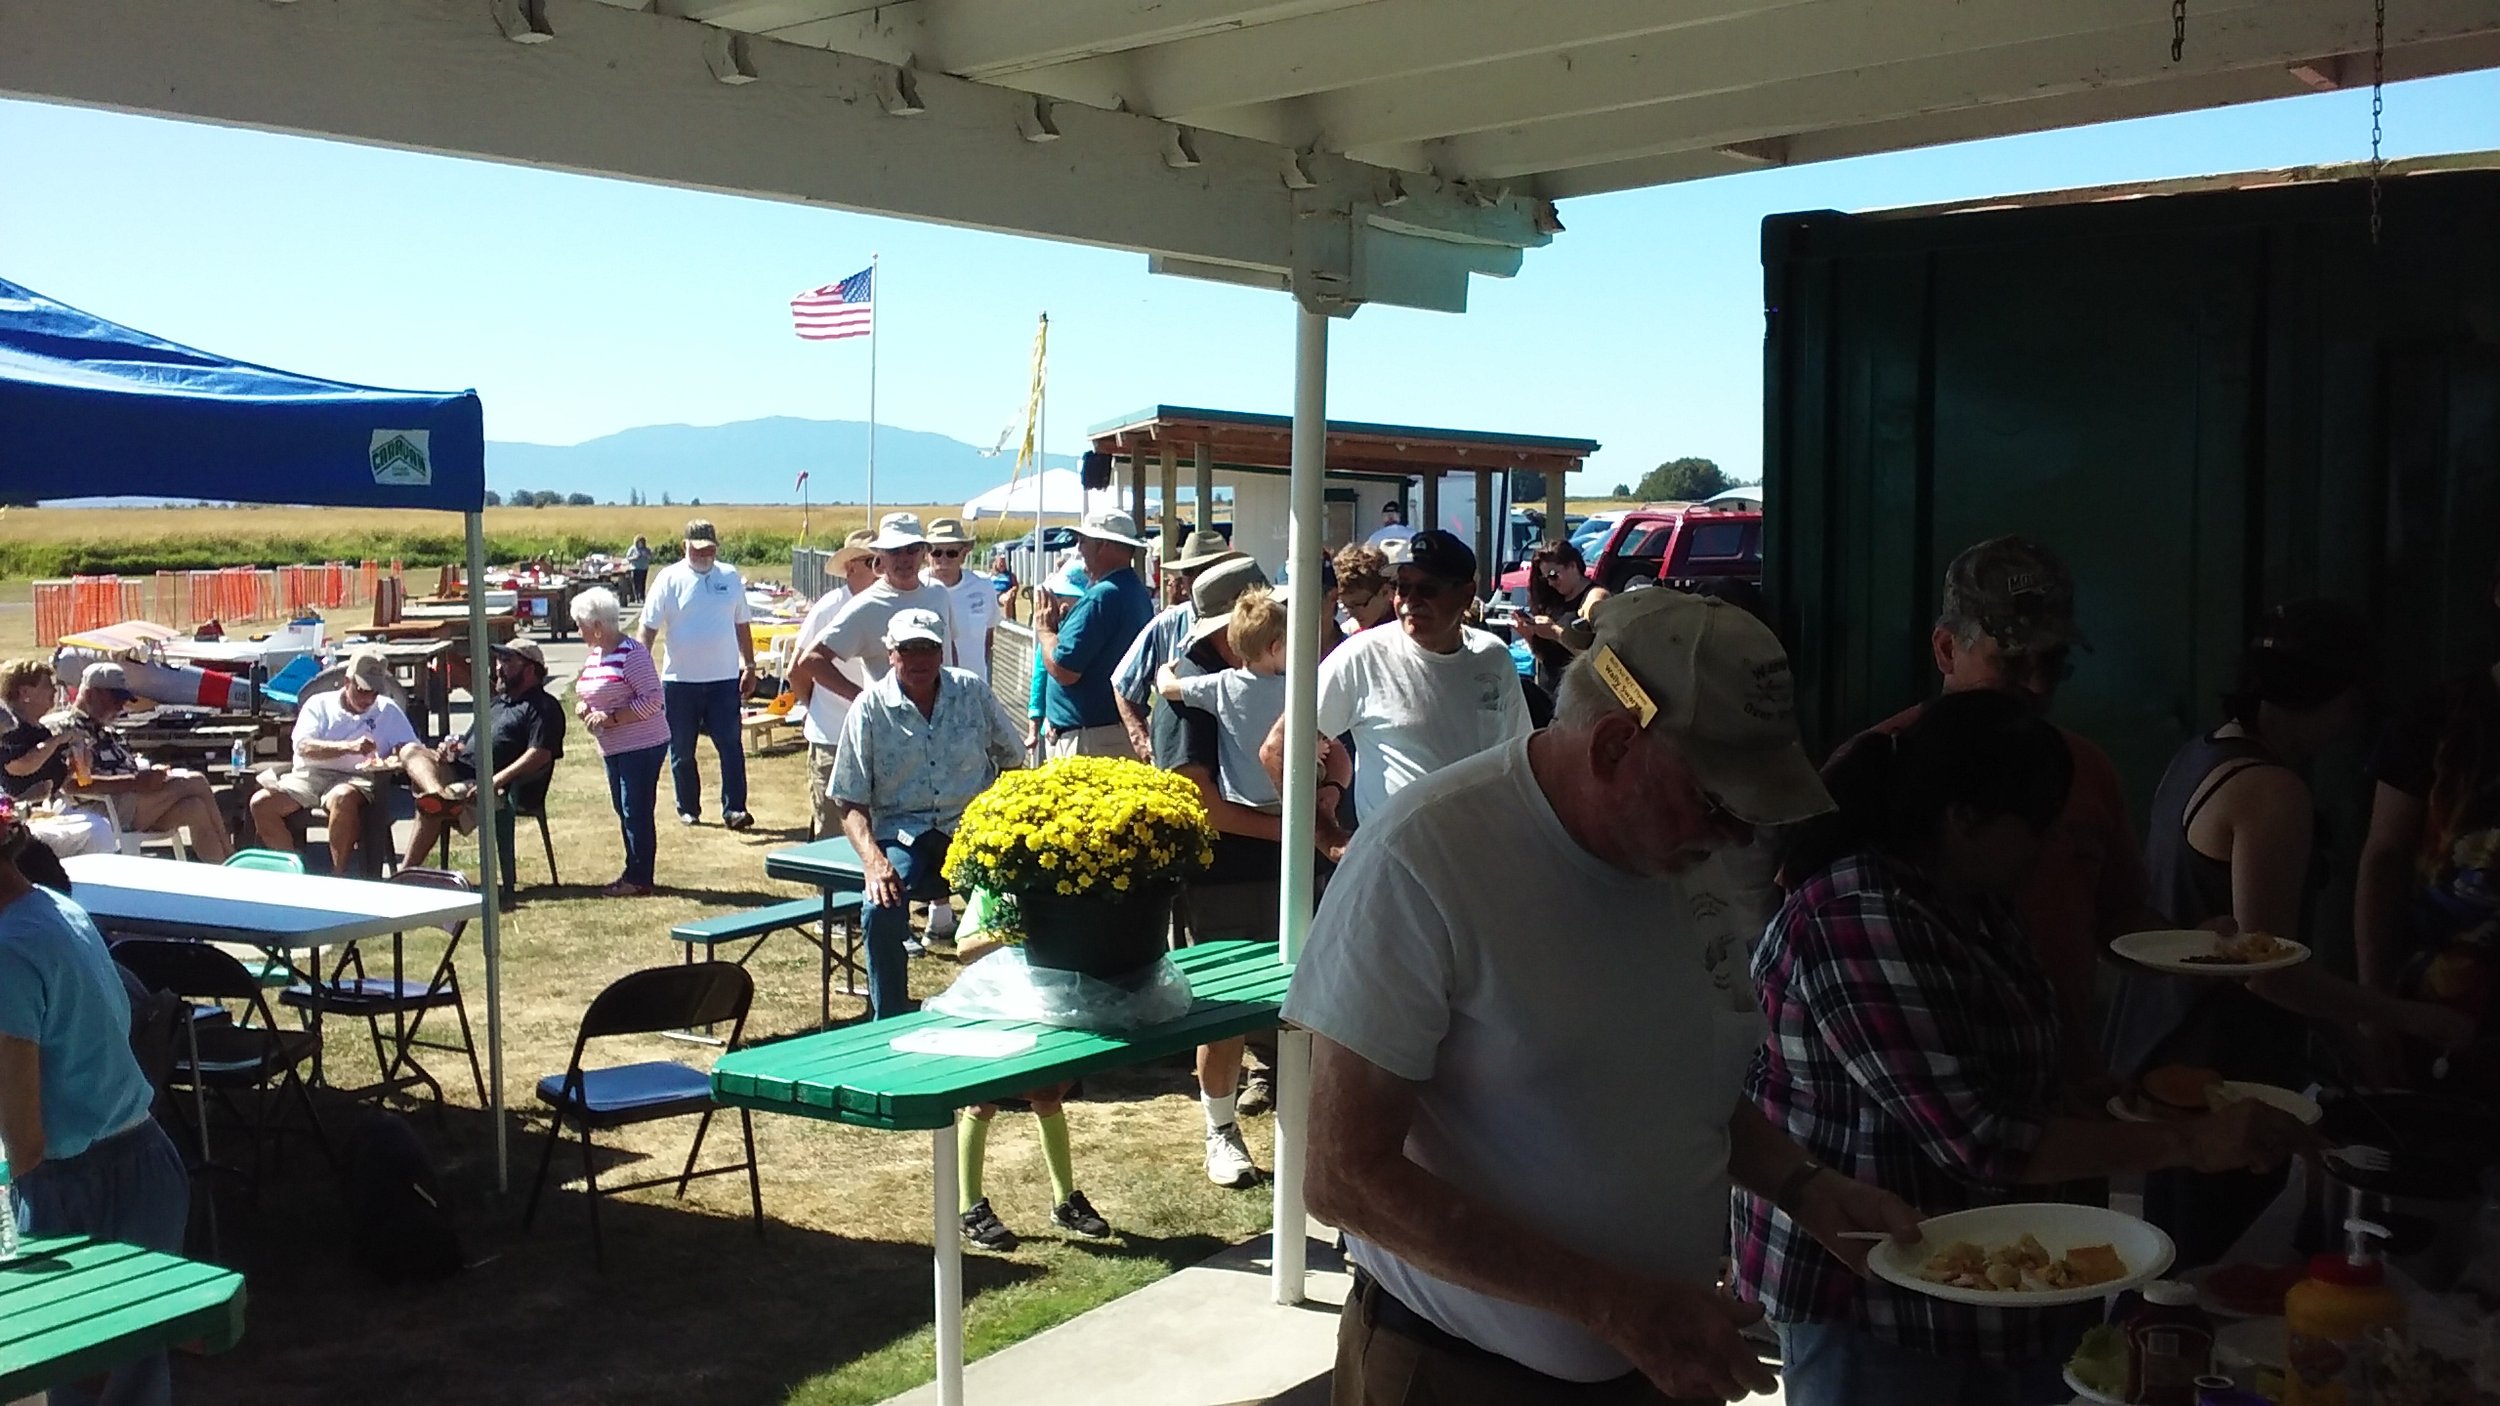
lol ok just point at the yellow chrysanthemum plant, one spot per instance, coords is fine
(1082, 853)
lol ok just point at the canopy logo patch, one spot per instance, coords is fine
(399, 458)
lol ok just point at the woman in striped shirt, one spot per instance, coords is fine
(618, 698)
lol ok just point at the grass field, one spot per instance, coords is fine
(64, 541)
(830, 1308)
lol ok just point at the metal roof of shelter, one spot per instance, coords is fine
(1241, 440)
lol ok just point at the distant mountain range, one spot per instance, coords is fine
(754, 461)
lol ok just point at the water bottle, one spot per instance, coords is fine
(239, 756)
(8, 1212)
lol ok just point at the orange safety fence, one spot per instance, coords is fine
(185, 599)
(64, 607)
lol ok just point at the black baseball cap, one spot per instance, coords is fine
(1440, 555)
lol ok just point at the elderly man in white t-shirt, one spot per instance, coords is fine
(973, 595)
(338, 736)
(1432, 692)
(1533, 1023)
(700, 603)
(856, 564)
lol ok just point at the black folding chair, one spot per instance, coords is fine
(351, 993)
(647, 1003)
(220, 1057)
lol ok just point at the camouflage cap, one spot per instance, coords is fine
(2015, 591)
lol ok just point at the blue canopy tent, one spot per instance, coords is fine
(89, 408)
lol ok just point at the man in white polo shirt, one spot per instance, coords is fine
(975, 595)
(700, 604)
(1533, 1021)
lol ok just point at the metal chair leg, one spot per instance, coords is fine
(702, 1126)
(550, 841)
(546, 1159)
(590, 1183)
(755, 1182)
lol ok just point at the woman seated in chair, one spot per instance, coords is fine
(84, 1156)
(529, 736)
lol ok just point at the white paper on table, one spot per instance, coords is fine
(971, 1044)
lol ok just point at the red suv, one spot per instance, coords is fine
(1668, 547)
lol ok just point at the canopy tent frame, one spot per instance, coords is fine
(87, 401)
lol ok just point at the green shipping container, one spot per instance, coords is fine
(2209, 396)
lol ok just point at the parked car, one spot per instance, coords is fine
(1680, 547)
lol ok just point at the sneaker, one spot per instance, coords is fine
(983, 1230)
(913, 947)
(1228, 1158)
(687, 817)
(941, 920)
(1077, 1214)
(738, 820)
(1258, 1094)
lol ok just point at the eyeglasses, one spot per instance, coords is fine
(1423, 588)
(946, 553)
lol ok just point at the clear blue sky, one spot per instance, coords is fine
(578, 307)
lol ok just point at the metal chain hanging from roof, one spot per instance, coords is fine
(2378, 106)
(2178, 29)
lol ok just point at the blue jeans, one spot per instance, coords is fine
(131, 1188)
(705, 710)
(1840, 1364)
(921, 868)
(634, 789)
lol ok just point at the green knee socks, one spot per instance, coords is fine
(972, 1139)
(1055, 1152)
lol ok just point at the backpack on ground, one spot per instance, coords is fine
(399, 1225)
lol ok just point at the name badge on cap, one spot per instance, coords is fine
(1627, 689)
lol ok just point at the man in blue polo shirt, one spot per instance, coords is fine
(1080, 711)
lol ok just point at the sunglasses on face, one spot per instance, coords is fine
(1423, 588)
(946, 553)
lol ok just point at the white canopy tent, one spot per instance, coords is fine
(1345, 151)
(1052, 492)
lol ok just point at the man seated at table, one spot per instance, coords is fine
(529, 736)
(339, 738)
(919, 744)
(143, 797)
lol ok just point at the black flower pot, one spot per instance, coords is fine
(1108, 936)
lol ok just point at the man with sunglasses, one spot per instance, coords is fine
(1532, 1023)
(1160, 643)
(2008, 624)
(1424, 695)
(976, 612)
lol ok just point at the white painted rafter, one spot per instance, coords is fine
(990, 40)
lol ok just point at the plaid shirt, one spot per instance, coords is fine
(1913, 1046)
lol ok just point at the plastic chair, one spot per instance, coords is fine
(274, 861)
(641, 1003)
(272, 972)
(224, 1058)
(374, 997)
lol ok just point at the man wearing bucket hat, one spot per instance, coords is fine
(1504, 968)
(1133, 682)
(355, 725)
(976, 608)
(700, 603)
(920, 742)
(1080, 654)
(528, 732)
(855, 564)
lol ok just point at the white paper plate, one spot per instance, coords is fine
(2291, 1101)
(2169, 951)
(2141, 1247)
(2085, 1393)
(968, 1043)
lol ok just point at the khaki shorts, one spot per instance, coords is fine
(823, 809)
(311, 789)
(1108, 740)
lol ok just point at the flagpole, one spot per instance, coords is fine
(1041, 484)
(874, 292)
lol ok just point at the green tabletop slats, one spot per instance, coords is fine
(854, 1075)
(75, 1308)
(828, 864)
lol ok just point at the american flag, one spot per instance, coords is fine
(836, 310)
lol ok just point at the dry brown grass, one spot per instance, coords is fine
(831, 1307)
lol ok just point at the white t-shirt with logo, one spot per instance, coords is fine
(698, 616)
(324, 718)
(976, 614)
(1578, 1037)
(1413, 712)
(825, 708)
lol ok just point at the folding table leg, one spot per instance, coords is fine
(946, 1233)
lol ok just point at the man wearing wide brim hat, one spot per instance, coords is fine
(1530, 966)
(528, 734)
(849, 652)
(976, 596)
(1080, 653)
(855, 568)
(1160, 643)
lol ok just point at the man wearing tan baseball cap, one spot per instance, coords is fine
(1527, 987)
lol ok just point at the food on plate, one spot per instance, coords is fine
(2025, 1266)
(2177, 1090)
(2100, 1361)
(2242, 949)
(2255, 1290)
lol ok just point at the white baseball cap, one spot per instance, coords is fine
(914, 627)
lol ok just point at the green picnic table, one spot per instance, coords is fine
(833, 867)
(854, 1075)
(73, 1308)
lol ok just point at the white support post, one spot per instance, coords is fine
(489, 860)
(1301, 788)
(946, 1235)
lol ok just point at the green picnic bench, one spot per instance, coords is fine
(812, 918)
(73, 1308)
(855, 1075)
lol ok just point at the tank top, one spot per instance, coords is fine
(2162, 1019)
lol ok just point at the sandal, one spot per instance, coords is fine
(448, 799)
